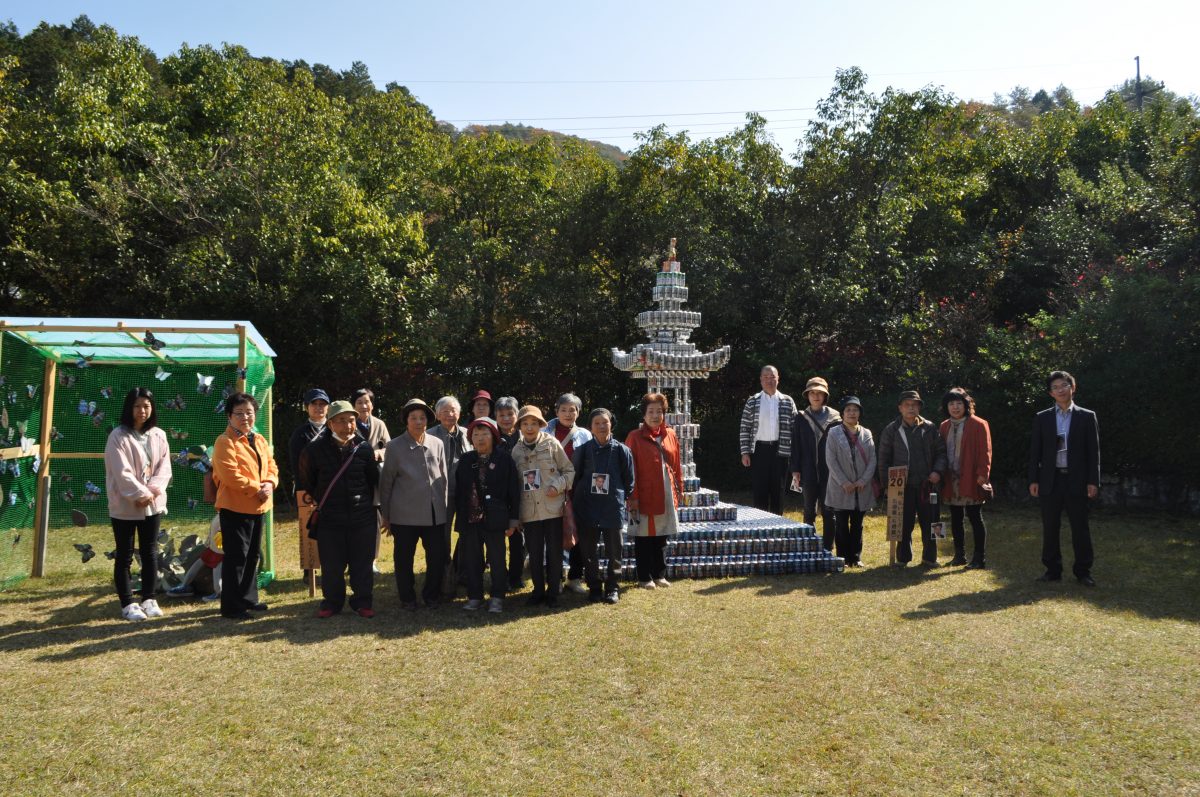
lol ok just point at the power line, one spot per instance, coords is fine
(625, 115)
(765, 79)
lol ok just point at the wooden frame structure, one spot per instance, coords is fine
(23, 328)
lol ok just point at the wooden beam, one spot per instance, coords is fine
(65, 328)
(241, 374)
(16, 453)
(41, 512)
(140, 342)
(76, 455)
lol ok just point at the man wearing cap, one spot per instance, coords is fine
(913, 441)
(316, 404)
(765, 440)
(807, 428)
(412, 497)
(481, 404)
(337, 471)
(1064, 473)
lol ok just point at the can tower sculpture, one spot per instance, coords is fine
(715, 539)
(670, 361)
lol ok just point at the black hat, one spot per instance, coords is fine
(316, 394)
(911, 395)
(848, 400)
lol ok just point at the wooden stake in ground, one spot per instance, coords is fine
(310, 560)
(897, 479)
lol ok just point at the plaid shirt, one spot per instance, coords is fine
(749, 426)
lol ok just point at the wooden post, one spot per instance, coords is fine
(241, 372)
(310, 559)
(41, 512)
(897, 480)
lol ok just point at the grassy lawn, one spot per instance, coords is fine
(879, 681)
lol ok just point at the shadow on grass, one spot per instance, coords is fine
(187, 622)
(1148, 564)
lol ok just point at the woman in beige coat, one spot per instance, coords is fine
(546, 476)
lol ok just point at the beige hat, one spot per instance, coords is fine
(818, 384)
(530, 411)
(414, 404)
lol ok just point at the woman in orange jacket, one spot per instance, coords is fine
(658, 486)
(246, 477)
(966, 486)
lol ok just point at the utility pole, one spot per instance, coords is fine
(1137, 59)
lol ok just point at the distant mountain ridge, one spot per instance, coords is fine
(526, 134)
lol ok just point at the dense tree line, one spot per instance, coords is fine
(912, 239)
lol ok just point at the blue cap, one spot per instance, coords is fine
(316, 394)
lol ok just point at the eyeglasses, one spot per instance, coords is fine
(243, 413)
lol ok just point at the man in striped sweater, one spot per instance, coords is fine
(765, 440)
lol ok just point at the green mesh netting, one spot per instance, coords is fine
(87, 405)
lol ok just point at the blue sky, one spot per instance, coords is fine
(606, 70)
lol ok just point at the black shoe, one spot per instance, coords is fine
(536, 599)
(976, 566)
(242, 615)
(257, 607)
(552, 602)
(515, 584)
(957, 561)
(1048, 576)
(409, 605)
(595, 596)
(612, 597)
(1086, 581)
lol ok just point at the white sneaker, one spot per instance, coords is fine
(496, 605)
(474, 604)
(576, 585)
(646, 584)
(150, 608)
(133, 613)
(662, 582)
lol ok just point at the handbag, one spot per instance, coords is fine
(316, 513)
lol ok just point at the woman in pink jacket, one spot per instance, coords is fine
(137, 470)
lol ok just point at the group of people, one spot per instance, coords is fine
(514, 485)
(841, 471)
(517, 487)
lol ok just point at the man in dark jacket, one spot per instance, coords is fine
(339, 473)
(1064, 473)
(603, 480)
(912, 441)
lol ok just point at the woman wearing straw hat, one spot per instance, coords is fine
(412, 496)
(546, 475)
(807, 428)
(656, 491)
(850, 456)
(337, 472)
(488, 493)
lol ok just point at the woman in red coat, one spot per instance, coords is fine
(658, 486)
(969, 454)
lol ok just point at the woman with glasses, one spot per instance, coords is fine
(246, 477)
